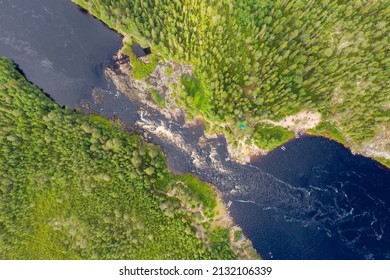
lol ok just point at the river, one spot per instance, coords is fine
(315, 200)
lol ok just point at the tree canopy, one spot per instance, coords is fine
(271, 58)
(76, 187)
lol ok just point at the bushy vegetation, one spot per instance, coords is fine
(271, 58)
(194, 93)
(140, 68)
(202, 194)
(156, 97)
(238, 235)
(328, 129)
(269, 137)
(75, 187)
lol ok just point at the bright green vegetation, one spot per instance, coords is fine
(194, 93)
(169, 71)
(269, 136)
(271, 58)
(156, 97)
(140, 69)
(75, 187)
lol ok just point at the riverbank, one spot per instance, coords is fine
(239, 243)
(225, 93)
(313, 161)
(118, 183)
(166, 85)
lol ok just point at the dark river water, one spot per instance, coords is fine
(315, 200)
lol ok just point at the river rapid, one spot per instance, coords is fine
(313, 200)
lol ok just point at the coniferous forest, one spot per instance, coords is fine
(78, 187)
(264, 60)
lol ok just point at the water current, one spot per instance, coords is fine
(315, 200)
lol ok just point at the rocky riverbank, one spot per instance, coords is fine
(164, 83)
(139, 91)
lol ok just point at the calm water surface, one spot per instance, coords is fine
(59, 48)
(313, 201)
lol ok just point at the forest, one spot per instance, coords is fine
(78, 187)
(267, 59)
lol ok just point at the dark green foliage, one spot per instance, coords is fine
(219, 240)
(74, 187)
(273, 56)
(156, 98)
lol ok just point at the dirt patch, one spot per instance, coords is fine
(304, 120)
(243, 153)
